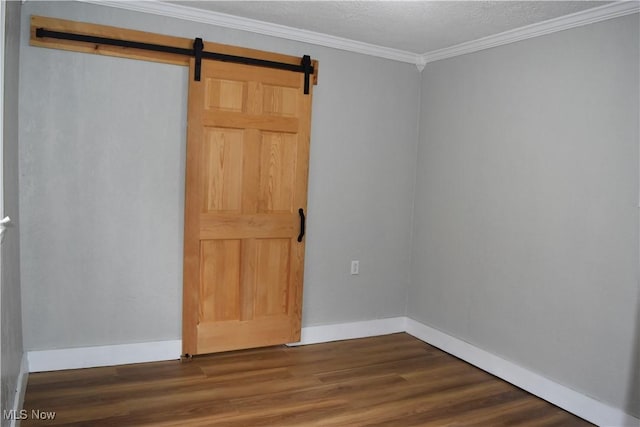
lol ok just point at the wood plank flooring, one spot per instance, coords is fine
(391, 380)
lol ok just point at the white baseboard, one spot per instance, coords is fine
(107, 355)
(21, 389)
(575, 402)
(122, 354)
(347, 331)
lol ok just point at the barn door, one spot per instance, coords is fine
(246, 196)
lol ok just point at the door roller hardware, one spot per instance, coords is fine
(197, 52)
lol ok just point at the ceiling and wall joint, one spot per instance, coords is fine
(585, 17)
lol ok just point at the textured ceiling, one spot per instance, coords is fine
(414, 26)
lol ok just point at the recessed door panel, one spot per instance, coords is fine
(278, 164)
(272, 277)
(222, 169)
(220, 280)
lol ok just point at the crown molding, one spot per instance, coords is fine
(260, 27)
(585, 17)
(421, 61)
(566, 22)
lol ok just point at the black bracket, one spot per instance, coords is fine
(198, 47)
(308, 70)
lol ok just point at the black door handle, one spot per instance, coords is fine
(302, 225)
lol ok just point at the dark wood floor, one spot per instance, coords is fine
(392, 380)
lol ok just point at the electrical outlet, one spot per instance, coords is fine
(355, 267)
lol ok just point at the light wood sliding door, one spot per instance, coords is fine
(246, 181)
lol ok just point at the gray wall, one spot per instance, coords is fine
(11, 345)
(526, 206)
(102, 176)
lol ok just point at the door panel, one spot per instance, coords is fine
(278, 159)
(272, 276)
(247, 163)
(223, 152)
(221, 94)
(280, 101)
(220, 280)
